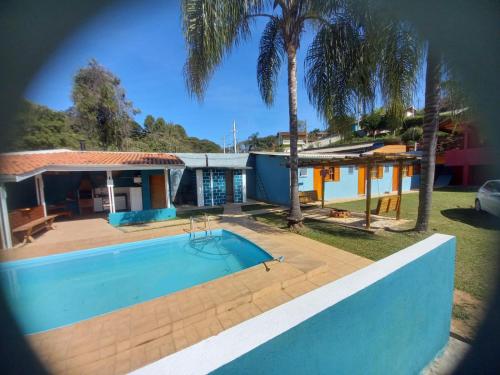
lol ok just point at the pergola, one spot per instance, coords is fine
(369, 160)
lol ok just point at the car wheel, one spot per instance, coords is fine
(477, 205)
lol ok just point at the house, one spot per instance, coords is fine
(210, 179)
(465, 154)
(284, 140)
(271, 176)
(410, 112)
(128, 186)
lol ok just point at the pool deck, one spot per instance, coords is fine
(130, 338)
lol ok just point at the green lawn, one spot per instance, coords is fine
(200, 212)
(452, 213)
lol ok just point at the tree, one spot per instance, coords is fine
(430, 130)
(149, 122)
(102, 110)
(38, 127)
(228, 24)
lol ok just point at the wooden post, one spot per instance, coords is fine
(111, 191)
(5, 233)
(368, 193)
(323, 174)
(40, 193)
(400, 189)
(167, 188)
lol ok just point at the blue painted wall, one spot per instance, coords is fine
(275, 177)
(395, 326)
(136, 217)
(306, 183)
(346, 188)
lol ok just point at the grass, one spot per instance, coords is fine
(200, 212)
(257, 206)
(452, 213)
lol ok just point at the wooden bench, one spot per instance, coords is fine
(386, 204)
(27, 221)
(308, 196)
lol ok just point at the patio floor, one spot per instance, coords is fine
(357, 220)
(124, 340)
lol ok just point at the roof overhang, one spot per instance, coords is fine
(88, 168)
(340, 160)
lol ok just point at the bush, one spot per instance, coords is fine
(413, 134)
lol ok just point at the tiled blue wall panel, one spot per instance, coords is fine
(238, 186)
(218, 184)
(207, 189)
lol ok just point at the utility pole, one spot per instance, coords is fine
(234, 135)
(224, 143)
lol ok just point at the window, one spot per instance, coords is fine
(333, 174)
(350, 169)
(377, 172)
(302, 172)
(408, 171)
(386, 169)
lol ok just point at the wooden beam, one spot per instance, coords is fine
(323, 173)
(368, 193)
(400, 189)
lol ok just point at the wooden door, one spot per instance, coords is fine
(318, 186)
(157, 191)
(361, 179)
(395, 177)
(229, 187)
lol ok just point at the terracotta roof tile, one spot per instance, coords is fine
(22, 163)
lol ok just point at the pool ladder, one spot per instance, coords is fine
(193, 229)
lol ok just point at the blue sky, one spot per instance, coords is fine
(142, 43)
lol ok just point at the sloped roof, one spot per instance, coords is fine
(25, 163)
(214, 160)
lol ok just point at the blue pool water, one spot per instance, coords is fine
(57, 290)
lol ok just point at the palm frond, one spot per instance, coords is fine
(339, 71)
(211, 29)
(271, 51)
(400, 61)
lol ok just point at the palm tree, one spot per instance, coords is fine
(213, 27)
(430, 127)
(342, 61)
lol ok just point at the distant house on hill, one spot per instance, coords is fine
(284, 140)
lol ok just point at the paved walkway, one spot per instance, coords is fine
(127, 339)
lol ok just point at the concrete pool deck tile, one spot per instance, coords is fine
(272, 300)
(124, 340)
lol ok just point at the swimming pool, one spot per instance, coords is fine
(57, 290)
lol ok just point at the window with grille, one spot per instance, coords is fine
(333, 174)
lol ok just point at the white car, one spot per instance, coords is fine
(488, 198)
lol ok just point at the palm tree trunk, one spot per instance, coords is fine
(295, 216)
(431, 125)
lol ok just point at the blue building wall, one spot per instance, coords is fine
(346, 187)
(396, 325)
(306, 183)
(275, 177)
